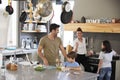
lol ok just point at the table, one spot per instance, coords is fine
(48, 74)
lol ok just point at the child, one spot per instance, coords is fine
(104, 67)
(70, 63)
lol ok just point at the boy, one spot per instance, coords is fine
(71, 64)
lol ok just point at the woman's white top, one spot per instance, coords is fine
(82, 46)
(107, 58)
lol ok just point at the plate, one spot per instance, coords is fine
(39, 68)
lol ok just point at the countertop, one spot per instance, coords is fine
(48, 74)
(6, 52)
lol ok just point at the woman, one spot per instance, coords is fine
(104, 67)
(80, 48)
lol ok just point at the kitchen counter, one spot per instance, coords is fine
(6, 52)
(48, 74)
(16, 53)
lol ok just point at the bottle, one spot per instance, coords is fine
(35, 43)
(83, 20)
(23, 43)
(28, 43)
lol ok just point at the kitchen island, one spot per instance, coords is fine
(48, 74)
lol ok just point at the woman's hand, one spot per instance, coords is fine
(98, 71)
(77, 44)
(90, 52)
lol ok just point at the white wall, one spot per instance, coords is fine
(96, 9)
(8, 25)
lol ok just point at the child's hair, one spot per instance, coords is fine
(107, 46)
(72, 55)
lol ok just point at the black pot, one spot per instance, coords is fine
(9, 9)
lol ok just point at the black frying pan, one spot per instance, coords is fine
(23, 17)
(0, 1)
(9, 8)
(66, 17)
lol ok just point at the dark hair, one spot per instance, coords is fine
(54, 27)
(107, 47)
(72, 55)
(79, 29)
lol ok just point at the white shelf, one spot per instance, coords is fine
(31, 21)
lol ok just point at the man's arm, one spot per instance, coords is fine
(41, 55)
(63, 51)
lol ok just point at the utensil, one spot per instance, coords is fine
(67, 13)
(66, 17)
(28, 59)
(9, 8)
(23, 17)
(44, 7)
(0, 1)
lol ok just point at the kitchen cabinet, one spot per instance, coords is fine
(94, 27)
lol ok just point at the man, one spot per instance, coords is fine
(50, 44)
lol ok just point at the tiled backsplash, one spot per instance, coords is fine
(99, 37)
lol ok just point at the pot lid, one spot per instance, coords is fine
(44, 8)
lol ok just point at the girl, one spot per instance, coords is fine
(104, 67)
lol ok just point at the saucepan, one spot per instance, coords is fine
(9, 7)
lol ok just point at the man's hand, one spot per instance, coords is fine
(42, 56)
(45, 62)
